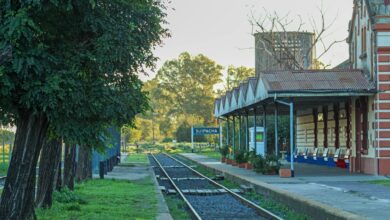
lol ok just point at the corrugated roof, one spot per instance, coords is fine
(229, 97)
(223, 98)
(253, 81)
(244, 87)
(316, 81)
(217, 103)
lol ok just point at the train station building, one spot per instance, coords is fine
(338, 117)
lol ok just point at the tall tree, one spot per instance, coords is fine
(70, 165)
(84, 164)
(78, 87)
(48, 168)
(188, 83)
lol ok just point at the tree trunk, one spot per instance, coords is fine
(58, 179)
(69, 166)
(17, 201)
(48, 166)
(84, 165)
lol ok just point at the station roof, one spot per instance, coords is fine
(316, 81)
(297, 84)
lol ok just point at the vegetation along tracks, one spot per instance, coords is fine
(205, 198)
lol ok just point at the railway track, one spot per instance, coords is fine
(205, 198)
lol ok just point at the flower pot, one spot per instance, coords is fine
(234, 163)
(241, 165)
(229, 161)
(223, 159)
(248, 166)
(284, 173)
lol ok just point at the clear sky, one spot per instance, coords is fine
(220, 29)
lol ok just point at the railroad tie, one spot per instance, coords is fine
(203, 191)
(188, 178)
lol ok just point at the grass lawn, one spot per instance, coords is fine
(104, 199)
(381, 182)
(137, 158)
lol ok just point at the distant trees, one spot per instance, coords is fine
(69, 68)
(182, 94)
(188, 83)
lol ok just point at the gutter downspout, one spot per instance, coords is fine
(291, 105)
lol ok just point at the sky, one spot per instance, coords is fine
(220, 29)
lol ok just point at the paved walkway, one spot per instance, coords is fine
(339, 189)
(138, 172)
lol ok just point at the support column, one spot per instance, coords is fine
(234, 135)
(276, 131)
(315, 120)
(265, 130)
(292, 138)
(254, 131)
(239, 132)
(227, 131)
(220, 133)
(348, 115)
(325, 114)
(246, 132)
(336, 117)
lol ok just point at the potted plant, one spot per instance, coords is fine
(241, 158)
(249, 155)
(258, 163)
(272, 165)
(224, 151)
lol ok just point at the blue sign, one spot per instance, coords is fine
(205, 131)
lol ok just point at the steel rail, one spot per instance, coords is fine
(263, 212)
(193, 211)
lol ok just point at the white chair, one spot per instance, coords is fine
(325, 154)
(305, 153)
(336, 155)
(315, 153)
(347, 155)
(296, 153)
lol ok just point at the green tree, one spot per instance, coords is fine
(72, 70)
(187, 83)
(235, 75)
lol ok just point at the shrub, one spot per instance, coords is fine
(258, 162)
(224, 151)
(267, 165)
(67, 196)
(240, 157)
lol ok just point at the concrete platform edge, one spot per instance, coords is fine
(310, 208)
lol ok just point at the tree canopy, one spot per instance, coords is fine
(69, 68)
(188, 84)
(76, 62)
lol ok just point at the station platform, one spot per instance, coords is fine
(328, 189)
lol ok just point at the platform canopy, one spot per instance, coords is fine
(306, 87)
